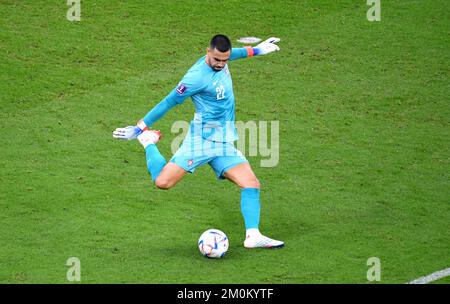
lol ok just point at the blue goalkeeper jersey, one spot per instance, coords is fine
(213, 97)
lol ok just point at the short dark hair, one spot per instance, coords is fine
(220, 43)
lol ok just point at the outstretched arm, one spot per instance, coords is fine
(265, 47)
(188, 86)
(159, 110)
(131, 132)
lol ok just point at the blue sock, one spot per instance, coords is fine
(155, 161)
(250, 207)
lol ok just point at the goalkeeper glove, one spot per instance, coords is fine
(130, 132)
(267, 46)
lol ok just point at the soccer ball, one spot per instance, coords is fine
(213, 243)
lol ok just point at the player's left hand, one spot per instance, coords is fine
(268, 46)
(127, 133)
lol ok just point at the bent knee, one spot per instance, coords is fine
(163, 183)
(251, 183)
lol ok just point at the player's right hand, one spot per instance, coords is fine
(127, 133)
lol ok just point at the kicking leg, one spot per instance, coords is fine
(169, 176)
(243, 176)
(163, 175)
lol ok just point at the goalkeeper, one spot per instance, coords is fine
(211, 134)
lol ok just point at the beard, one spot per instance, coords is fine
(215, 67)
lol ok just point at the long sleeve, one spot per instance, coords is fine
(159, 110)
(189, 85)
(244, 52)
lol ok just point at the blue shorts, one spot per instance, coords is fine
(196, 151)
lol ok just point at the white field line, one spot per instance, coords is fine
(432, 277)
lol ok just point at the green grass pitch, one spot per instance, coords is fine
(364, 168)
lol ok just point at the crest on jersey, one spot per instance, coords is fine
(181, 88)
(190, 162)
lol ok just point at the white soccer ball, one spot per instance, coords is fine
(213, 243)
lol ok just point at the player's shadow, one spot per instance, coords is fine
(180, 251)
(191, 251)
